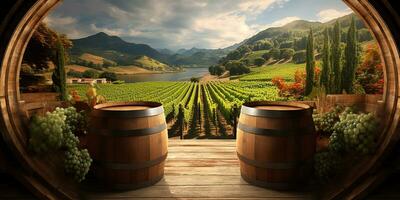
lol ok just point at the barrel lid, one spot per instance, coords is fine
(128, 109)
(276, 109)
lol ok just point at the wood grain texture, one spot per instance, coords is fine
(202, 173)
(280, 156)
(24, 16)
(132, 160)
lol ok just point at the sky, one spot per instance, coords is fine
(176, 24)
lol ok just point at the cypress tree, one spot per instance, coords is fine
(310, 64)
(326, 64)
(351, 58)
(58, 77)
(336, 59)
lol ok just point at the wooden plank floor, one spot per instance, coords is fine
(201, 169)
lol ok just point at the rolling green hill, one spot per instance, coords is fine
(151, 64)
(292, 36)
(267, 73)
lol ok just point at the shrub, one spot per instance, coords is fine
(75, 74)
(296, 89)
(111, 76)
(236, 68)
(286, 53)
(90, 74)
(194, 79)
(287, 44)
(266, 56)
(259, 61)
(370, 73)
(275, 53)
(262, 45)
(216, 70)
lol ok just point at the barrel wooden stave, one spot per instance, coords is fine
(129, 151)
(276, 151)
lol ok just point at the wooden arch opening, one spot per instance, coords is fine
(19, 23)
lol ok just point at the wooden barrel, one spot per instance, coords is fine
(128, 143)
(275, 143)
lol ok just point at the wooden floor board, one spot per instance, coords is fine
(202, 169)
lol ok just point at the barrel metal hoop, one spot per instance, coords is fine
(266, 184)
(137, 185)
(130, 166)
(157, 110)
(275, 132)
(249, 109)
(132, 132)
(273, 165)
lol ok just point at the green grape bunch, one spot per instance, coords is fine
(70, 139)
(46, 133)
(336, 142)
(77, 163)
(324, 122)
(326, 165)
(359, 132)
(76, 121)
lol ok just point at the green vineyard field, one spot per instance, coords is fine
(193, 110)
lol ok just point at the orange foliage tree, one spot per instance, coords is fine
(295, 89)
(370, 72)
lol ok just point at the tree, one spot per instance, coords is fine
(266, 56)
(364, 35)
(370, 72)
(287, 44)
(58, 77)
(326, 64)
(111, 76)
(275, 53)
(286, 53)
(236, 68)
(42, 47)
(351, 58)
(336, 60)
(310, 64)
(259, 61)
(299, 57)
(262, 45)
(90, 74)
(300, 44)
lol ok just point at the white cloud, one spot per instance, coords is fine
(226, 29)
(284, 21)
(329, 14)
(167, 23)
(256, 6)
(277, 23)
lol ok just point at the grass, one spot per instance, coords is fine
(267, 73)
(150, 63)
(93, 58)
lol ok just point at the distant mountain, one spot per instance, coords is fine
(113, 48)
(166, 51)
(196, 57)
(125, 53)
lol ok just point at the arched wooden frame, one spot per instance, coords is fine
(45, 181)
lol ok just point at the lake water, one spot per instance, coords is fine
(177, 76)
